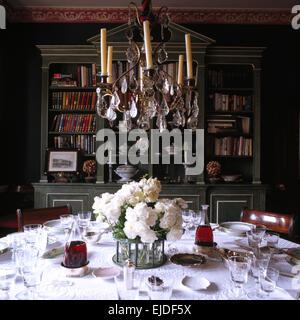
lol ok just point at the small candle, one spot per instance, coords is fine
(103, 53)
(180, 70)
(147, 43)
(109, 63)
(189, 62)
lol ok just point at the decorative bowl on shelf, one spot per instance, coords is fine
(126, 172)
(231, 177)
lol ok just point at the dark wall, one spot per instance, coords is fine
(20, 105)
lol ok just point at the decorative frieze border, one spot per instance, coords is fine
(177, 15)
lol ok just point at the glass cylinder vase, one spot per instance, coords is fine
(143, 255)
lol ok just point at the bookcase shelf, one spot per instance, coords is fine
(72, 133)
(70, 88)
(233, 108)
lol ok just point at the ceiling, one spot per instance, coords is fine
(279, 4)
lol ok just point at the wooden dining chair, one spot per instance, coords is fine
(279, 222)
(40, 215)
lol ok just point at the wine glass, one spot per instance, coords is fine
(259, 264)
(36, 236)
(7, 277)
(186, 217)
(239, 267)
(258, 233)
(84, 219)
(268, 279)
(272, 239)
(31, 271)
(66, 221)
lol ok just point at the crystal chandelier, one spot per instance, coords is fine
(155, 96)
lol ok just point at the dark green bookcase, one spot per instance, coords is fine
(225, 199)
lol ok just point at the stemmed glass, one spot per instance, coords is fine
(186, 217)
(66, 221)
(258, 233)
(28, 261)
(7, 277)
(268, 279)
(259, 264)
(84, 219)
(239, 267)
(36, 236)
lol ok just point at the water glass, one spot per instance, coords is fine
(7, 277)
(272, 239)
(84, 219)
(66, 221)
(239, 267)
(258, 233)
(186, 217)
(259, 264)
(36, 236)
(252, 241)
(196, 218)
(122, 291)
(268, 279)
(16, 240)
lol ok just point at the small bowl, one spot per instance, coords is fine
(106, 273)
(195, 283)
(76, 272)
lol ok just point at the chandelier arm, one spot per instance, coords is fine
(126, 72)
(136, 12)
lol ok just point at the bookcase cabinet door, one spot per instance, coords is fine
(78, 201)
(226, 204)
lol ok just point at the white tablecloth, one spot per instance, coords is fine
(100, 255)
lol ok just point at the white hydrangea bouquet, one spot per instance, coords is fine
(134, 212)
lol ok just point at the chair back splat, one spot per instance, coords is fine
(278, 222)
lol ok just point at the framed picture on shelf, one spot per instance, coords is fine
(63, 164)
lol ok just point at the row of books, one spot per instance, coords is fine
(74, 123)
(75, 100)
(230, 146)
(228, 124)
(83, 76)
(230, 102)
(84, 142)
(218, 78)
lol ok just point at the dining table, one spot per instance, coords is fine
(56, 285)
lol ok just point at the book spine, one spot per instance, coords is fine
(94, 75)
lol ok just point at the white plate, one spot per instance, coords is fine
(106, 273)
(280, 294)
(195, 283)
(236, 227)
(54, 226)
